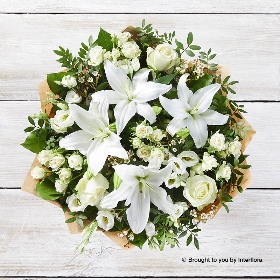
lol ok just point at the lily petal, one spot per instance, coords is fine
(138, 212)
(156, 178)
(100, 109)
(198, 130)
(184, 93)
(146, 111)
(117, 150)
(85, 120)
(78, 140)
(214, 118)
(140, 77)
(113, 96)
(124, 111)
(129, 173)
(175, 125)
(202, 98)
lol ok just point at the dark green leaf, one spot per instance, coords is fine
(201, 82)
(46, 190)
(29, 129)
(102, 86)
(156, 219)
(166, 79)
(35, 144)
(196, 243)
(182, 234)
(212, 56)
(51, 78)
(240, 189)
(104, 40)
(244, 166)
(226, 207)
(40, 122)
(190, 38)
(31, 120)
(189, 240)
(70, 220)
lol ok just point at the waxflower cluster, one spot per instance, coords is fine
(142, 139)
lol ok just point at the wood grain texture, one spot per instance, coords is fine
(249, 44)
(34, 241)
(144, 6)
(264, 149)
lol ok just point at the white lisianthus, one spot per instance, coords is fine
(162, 58)
(196, 169)
(38, 173)
(130, 49)
(105, 220)
(217, 141)
(135, 64)
(74, 203)
(224, 171)
(136, 142)
(60, 185)
(189, 158)
(208, 162)
(68, 81)
(96, 56)
(157, 135)
(75, 162)
(45, 156)
(143, 131)
(150, 229)
(123, 37)
(72, 97)
(56, 162)
(178, 166)
(64, 174)
(156, 158)
(63, 119)
(234, 148)
(200, 190)
(144, 152)
(57, 128)
(90, 192)
(172, 181)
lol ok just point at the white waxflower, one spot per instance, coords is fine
(143, 131)
(217, 141)
(72, 97)
(75, 162)
(63, 119)
(60, 185)
(68, 81)
(96, 56)
(38, 173)
(144, 152)
(224, 171)
(189, 158)
(56, 162)
(208, 162)
(130, 49)
(74, 203)
(234, 148)
(150, 229)
(157, 135)
(64, 174)
(123, 37)
(136, 142)
(57, 128)
(105, 220)
(45, 156)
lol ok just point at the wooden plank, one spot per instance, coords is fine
(35, 242)
(251, 48)
(144, 6)
(264, 149)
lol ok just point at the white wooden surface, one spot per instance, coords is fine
(34, 241)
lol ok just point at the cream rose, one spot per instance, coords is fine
(200, 190)
(96, 56)
(143, 131)
(105, 219)
(208, 162)
(38, 173)
(144, 152)
(217, 141)
(45, 156)
(60, 185)
(150, 229)
(56, 127)
(75, 162)
(224, 171)
(56, 162)
(123, 37)
(162, 58)
(234, 148)
(64, 174)
(68, 81)
(130, 49)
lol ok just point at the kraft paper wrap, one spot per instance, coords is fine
(29, 184)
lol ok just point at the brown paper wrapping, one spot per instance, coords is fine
(29, 184)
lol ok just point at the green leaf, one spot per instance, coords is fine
(54, 87)
(46, 190)
(70, 220)
(179, 45)
(201, 82)
(196, 243)
(40, 122)
(29, 129)
(244, 166)
(190, 53)
(102, 86)
(184, 233)
(190, 38)
(35, 144)
(156, 219)
(195, 47)
(226, 207)
(104, 40)
(189, 240)
(166, 79)
(240, 189)
(31, 121)
(227, 197)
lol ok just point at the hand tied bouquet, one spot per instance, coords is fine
(140, 138)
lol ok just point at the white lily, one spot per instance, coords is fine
(191, 111)
(94, 124)
(140, 186)
(131, 97)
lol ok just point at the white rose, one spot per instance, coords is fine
(162, 58)
(234, 148)
(57, 128)
(143, 131)
(135, 64)
(38, 173)
(144, 152)
(136, 143)
(217, 141)
(208, 162)
(105, 220)
(130, 49)
(223, 172)
(56, 162)
(96, 56)
(200, 190)
(150, 229)
(75, 162)
(65, 174)
(189, 158)
(60, 185)
(156, 158)
(63, 119)
(68, 81)
(90, 192)
(157, 135)
(73, 97)
(75, 204)
(45, 156)
(123, 37)
(115, 54)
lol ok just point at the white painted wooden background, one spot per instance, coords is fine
(34, 241)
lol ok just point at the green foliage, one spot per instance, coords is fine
(66, 58)
(52, 78)
(35, 141)
(166, 79)
(201, 82)
(104, 40)
(46, 190)
(206, 57)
